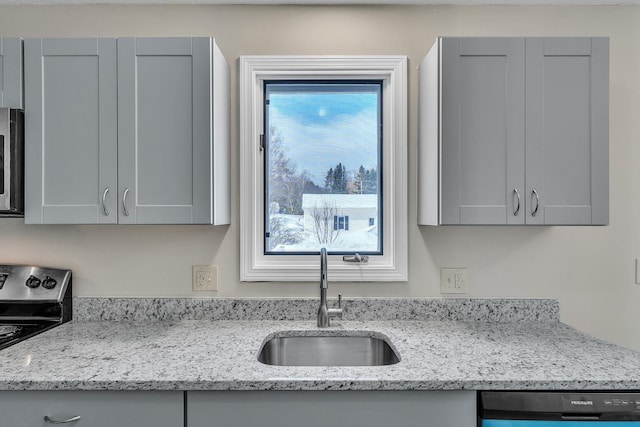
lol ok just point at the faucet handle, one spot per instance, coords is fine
(339, 300)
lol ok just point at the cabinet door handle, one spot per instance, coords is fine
(67, 421)
(124, 202)
(535, 211)
(104, 204)
(517, 209)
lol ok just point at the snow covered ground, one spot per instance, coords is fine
(364, 240)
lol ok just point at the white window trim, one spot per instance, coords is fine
(392, 70)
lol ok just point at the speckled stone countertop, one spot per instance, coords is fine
(222, 355)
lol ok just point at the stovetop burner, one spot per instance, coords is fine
(9, 331)
(32, 300)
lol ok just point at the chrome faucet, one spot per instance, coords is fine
(324, 313)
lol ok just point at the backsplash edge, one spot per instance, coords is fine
(365, 309)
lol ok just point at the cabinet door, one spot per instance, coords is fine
(482, 131)
(340, 408)
(567, 131)
(70, 131)
(95, 408)
(164, 133)
(11, 73)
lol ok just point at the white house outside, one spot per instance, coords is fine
(347, 212)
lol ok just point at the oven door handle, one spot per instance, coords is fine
(67, 421)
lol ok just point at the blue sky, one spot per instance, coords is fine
(321, 129)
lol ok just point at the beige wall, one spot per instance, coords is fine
(589, 269)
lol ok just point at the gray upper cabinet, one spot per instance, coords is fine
(165, 110)
(143, 140)
(70, 131)
(514, 131)
(567, 116)
(11, 73)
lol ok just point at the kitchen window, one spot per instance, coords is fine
(323, 145)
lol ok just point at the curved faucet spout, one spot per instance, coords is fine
(324, 313)
(323, 268)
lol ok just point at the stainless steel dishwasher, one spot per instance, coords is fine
(559, 409)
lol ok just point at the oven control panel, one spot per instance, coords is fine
(28, 283)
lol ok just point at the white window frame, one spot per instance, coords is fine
(392, 70)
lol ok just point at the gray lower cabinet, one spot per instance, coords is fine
(340, 408)
(514, 131)
(126, 131)
(94, 408)
(11, 73)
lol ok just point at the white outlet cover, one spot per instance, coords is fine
(453, 281)
(204, 278)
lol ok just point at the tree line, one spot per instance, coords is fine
(287, 184)
(362, 181)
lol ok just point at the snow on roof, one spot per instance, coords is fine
(310, 201)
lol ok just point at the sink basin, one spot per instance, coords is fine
(328, 350)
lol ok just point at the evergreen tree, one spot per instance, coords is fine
(336, 180)
(359, 181)
(371, 181)
(340, 179)
(328, 181)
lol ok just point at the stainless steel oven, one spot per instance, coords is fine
(32, 300)
(11, 162)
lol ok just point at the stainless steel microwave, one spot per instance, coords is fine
(11, 162)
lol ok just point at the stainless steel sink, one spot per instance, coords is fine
(328, 350)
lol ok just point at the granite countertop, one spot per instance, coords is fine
(536, 352)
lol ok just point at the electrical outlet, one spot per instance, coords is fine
(205, 278)
(453, 281)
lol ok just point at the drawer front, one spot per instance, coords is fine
(95, 408)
